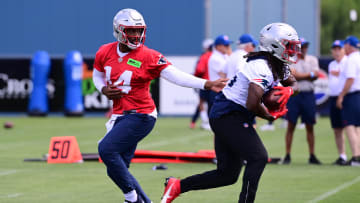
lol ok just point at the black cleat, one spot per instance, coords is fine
(340, 161)
(354, 161)
(314, 160)
(287, 159)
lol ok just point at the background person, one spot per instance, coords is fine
(236, 61)
(303, 104)
(335, 86)
(217, 62)
(202, 71)
(349, 98)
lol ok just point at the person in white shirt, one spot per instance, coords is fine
(335, 86)
(237, 60)
(245, 45)
(234, 109)
(217, 61)
(349, 98)
(303, 104)
(202, 71)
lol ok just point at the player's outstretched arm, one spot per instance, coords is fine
(174, 75)
(216, 85)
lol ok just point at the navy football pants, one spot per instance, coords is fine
(235, 140)
(118, 146)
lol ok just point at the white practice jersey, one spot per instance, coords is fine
(255, 71)
(335, 68)
(352, 70)
(235, 63)
(216, 64)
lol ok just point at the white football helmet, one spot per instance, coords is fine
(127, 19)
(281, 40)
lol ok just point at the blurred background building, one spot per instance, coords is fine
(175, 28)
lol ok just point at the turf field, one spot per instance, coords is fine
(87, 182)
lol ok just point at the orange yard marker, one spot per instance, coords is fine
(64, 150)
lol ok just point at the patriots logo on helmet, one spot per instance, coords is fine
(161, 60)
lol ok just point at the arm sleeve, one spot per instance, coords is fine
(99, 79)
(174, 75)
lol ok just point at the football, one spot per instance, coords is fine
(8, 125)
(270, 100)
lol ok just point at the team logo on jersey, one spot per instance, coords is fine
(133, 62)
(162, 60)
(263, 82)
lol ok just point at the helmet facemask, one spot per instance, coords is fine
(282, 41)
(128, 36)
(292, 49)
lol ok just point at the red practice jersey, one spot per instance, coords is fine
(202, 70)
(131, 73)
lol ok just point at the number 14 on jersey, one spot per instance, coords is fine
(123, 82)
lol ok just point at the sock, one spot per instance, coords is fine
(204, 117)
(343, 156)
(131, 196)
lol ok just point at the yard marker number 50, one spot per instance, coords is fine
(64, 150)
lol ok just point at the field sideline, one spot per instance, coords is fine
(87, 182)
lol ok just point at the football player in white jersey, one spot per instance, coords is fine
(235, 107)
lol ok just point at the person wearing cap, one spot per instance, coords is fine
(202, 71)
(303, 104)
(218, 60)
(349, 98)
(245, 45)
(335, 86)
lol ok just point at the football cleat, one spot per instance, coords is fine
(354, 161)
(340, 161)
(287, 159)
(172, 190)
(314, 160)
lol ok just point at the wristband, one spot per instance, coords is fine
(312, 74)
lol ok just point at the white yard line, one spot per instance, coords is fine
(4, 173)
(335, 190)
(11, 195)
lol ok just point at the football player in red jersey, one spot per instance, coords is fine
(129, 67)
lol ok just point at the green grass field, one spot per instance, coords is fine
(87, 182)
